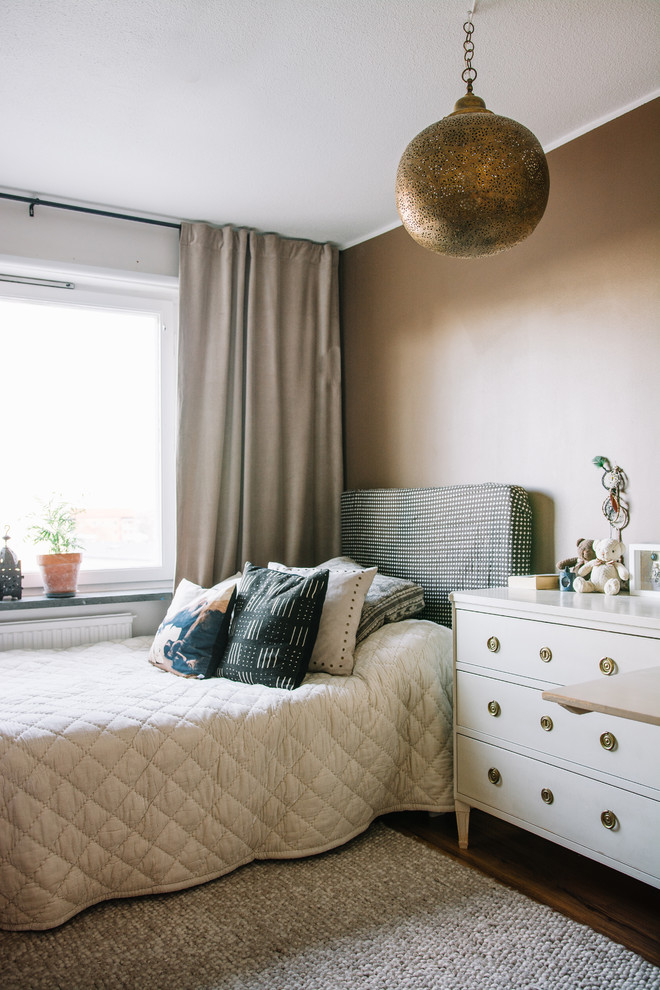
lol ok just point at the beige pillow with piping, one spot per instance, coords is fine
(335, 642)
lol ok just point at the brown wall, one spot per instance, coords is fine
(523, 366)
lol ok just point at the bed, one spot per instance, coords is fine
(119, 779)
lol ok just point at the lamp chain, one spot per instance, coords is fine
(469, 74)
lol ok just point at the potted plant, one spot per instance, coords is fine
(56, 529)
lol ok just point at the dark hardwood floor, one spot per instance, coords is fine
(624, 909)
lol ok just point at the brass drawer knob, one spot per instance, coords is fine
(546, 723)
(493, 644)
(607, 665)
(608, 741)
(493, 708)
(494, 775)
(609, 819)
(545, 654)
(547, 795)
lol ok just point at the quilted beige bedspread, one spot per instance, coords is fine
(119, 779)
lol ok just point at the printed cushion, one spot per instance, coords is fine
(389, 599)
(335, 643)
(192, 637)
(274, 628)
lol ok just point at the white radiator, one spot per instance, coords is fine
(57, 634)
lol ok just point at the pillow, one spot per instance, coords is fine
(274, 628)
(192, 637)
(335, 643)
(389, 599)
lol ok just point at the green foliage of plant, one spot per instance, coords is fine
(56, 526)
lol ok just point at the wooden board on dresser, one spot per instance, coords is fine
(590, 780)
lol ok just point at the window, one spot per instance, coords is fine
(88, 401)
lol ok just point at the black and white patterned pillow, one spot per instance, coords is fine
(389, 599)
(274, 626)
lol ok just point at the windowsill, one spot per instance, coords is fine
(87, 598)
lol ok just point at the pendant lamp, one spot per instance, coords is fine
(474, 183)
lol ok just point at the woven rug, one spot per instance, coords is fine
(383, 913)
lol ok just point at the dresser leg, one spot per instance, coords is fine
(462, 823)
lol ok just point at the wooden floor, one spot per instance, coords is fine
(624, 909)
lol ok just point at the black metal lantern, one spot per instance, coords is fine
(11, 579)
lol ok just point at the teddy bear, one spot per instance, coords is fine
(605, 572)
(585, 552)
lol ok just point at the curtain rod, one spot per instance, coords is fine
(34, 201)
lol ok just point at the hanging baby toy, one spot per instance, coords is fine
(607, 572)
(614, 480)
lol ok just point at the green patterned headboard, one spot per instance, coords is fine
(444, 539)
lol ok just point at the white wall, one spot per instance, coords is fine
(81, 239)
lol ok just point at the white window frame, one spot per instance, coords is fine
(136, 292)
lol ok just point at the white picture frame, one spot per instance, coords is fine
(644, 563)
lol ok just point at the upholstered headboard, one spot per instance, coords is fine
(445, 539)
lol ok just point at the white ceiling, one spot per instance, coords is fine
(290, 115)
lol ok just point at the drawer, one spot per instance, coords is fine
(575, 809)
(547, 651)
(518, 714)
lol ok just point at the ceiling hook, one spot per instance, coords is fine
(32, 206)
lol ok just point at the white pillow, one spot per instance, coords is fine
(335, 642)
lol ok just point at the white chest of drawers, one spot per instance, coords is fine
(589, 781)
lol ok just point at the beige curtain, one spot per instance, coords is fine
(259, 448)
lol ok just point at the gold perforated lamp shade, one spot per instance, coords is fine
(473, 183)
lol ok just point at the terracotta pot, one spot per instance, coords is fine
(60, 573)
